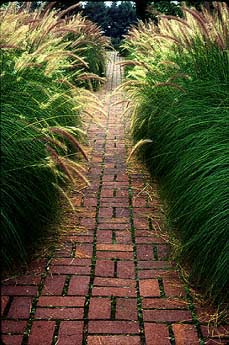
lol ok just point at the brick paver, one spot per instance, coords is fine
(109, 281)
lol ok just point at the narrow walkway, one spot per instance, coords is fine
(113, 283)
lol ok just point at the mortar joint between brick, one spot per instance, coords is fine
(192, 309)
(66, 284)
(139, 300)
(171, 335)
(7, 307)
(56, 333)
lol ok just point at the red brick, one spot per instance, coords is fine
(19, 290)
(142, 212)
(156, 334)
(113, 340)
(104, 236)
(30, 279)
(99, 308)
(64, 251)
(218, 341)
(117, 220)
(80, 238)
(122, 178)
(163, 303)
(185, 334)
(163, 252)
(59, 313)
(144, 233)
(154, 264)
(157, 273)
(71, 270)
(84, 251)
(107, 193)
(114, 255)
(141, 223)
(89, 223)
(87, 211)
(126, 309)
(139, 202)
(215, 332)
(54, 285)
(71, 262)
(149, 288)
(115, 185)
(70, 333)
(121, 237)
(115, 247)
(13, 327)
(66, 301)
(12, 339)
(125, 269)
(79, 285)
(114, 226)
(113, 327)
(114, 291)
(77, 200)
(167, 315)
(173, 287)
(106, 212)
(114, 282)
(120, 193)
(145, 252)
(149, 239)
(4, 301)
(90, 201)
(122, 212)
(204, 313)
(97, 159)
(114, 202)
(20, 308)
(104, 268)
(41, 333)
(108, 178)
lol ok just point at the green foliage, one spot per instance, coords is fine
(180, 85)
(40, 125)
(114, 20)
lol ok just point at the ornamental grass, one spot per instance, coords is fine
(42, 110)
(178, 80)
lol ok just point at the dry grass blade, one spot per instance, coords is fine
(62, 13)
(139, 144)
(170, 84)
(71, 139)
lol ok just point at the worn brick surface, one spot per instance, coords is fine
(156, 334)
(113, 327)
(12, 326)
(42, 333)
(4, 301)
(66, 301)
(12, 339)
(78, 285)
(70, 333)
(110, 280)
(54, 285)
(126, 309)
(149, 287)
(100, 308)
(113, 340)
(20, 308)
(185, 334)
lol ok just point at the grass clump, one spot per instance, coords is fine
(41, 122)
(178, 78)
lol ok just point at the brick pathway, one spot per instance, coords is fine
(113, 283)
